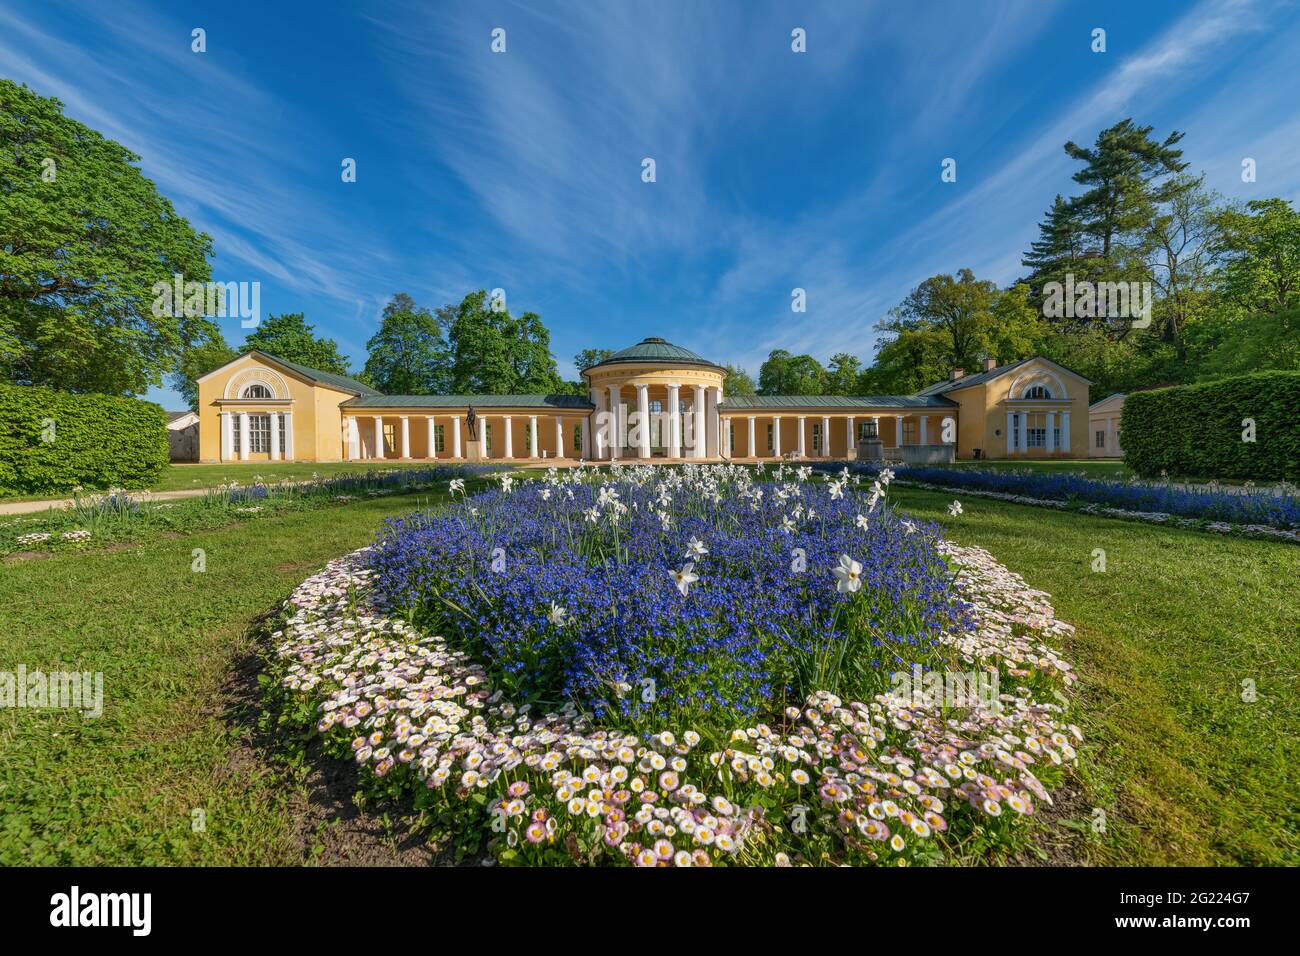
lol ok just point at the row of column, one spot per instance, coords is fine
(230, 421)
(1018, 432)
(357, 450)
(705, 424)
(850, 437)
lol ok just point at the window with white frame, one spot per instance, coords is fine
(770, 446)
(817, 437)
(1101, 438)
(1015, 431)
(438, 441)
(1037, 391)
(259, 434)
(256, 390)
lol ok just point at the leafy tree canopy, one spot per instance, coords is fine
(786, 374)
(589, 357)
(408, 355)
(494, 353)
(84, 236)
(289, 337)
(739, 382)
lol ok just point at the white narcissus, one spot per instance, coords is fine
(848, 575)
(685, 577)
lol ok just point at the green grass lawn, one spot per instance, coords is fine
(1186, 771)
(121, 789)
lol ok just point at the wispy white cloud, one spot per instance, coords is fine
(985, 227)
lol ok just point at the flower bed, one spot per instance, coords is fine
(885, 778)
(668, 589)
(1248, 509)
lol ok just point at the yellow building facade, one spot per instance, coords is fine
(653, 401)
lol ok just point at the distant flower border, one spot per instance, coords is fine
(1147, 517)
(1078, 493)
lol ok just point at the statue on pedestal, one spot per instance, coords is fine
(471, 422)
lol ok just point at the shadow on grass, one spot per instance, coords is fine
(332, 826)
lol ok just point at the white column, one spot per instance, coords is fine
(1051, 432)
(925, 427)
(288, 437)
(851, 444)
(711, 402)
(431, 437)
(275, 435)
(406, 437)
(510, 447)
(455, 437)
(586, 438)
(354, 437)
(753, 452)
(1010, 429)
(776, 436)
(674, 421)
(532, 437)
(799, 446)
(701, 437)
(1065, 432)
(559, 437)
(1024, 432)
(227, 435)
(643, 421)
(616, 424)
(243, 436)
(724, 435)
(379, 437)
(826, 436)
(1112, 445)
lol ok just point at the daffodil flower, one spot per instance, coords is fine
(848, 575)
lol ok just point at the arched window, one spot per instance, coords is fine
(1037, 391)
(256, 390)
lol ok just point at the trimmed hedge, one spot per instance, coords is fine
(1195, 431)
(52, 441)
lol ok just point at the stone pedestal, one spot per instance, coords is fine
(474, 450)
(873, 449)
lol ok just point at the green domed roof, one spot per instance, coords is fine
(656, 350)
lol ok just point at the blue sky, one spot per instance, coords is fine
(522, 170)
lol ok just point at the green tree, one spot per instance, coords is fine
(906, 362)
(408, 355)
(842, 374)
(289, 337)
(960, 309)
(739, 382)
(84, 236)
(786, 374)
(198, 360)
(1061, 249)
(1124, 178)
(589, 357)
(493, 353)
(1183, 238)
(1260, 246)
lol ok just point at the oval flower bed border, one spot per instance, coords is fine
(891, 780)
